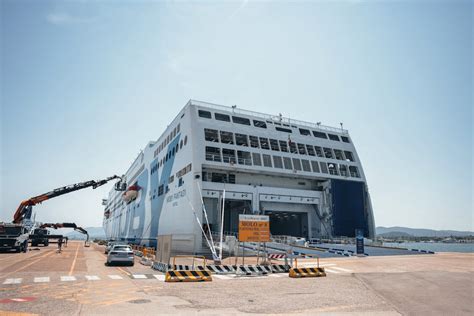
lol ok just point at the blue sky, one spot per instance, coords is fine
(86, 84)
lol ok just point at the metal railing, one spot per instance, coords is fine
(273, 118)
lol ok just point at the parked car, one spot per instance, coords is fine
(122, 254)
(110, 244)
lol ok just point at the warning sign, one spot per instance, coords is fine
(254, 228)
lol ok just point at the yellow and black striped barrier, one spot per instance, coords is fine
(191, 275)
(188, 276)
(306, 272)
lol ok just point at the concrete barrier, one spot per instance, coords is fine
(188, 276)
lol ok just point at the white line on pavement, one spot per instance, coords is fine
(332, 271)
(160, 277)
(342, 269)
(92, 277)
(139, 276)
(13, 281)
(115, 277)
(41, 279)
(222, 277)
(68, 278)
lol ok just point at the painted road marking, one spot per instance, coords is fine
(68, 278)
(92, 277)
(13, 281)
(332, 271)
(342, 269)
(138, 276)
(160, 277)
(41, 279)
(276, 275)
(115, 277)
(222, 277)
(17, 300)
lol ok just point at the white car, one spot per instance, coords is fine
(121, 254)
(110, 244)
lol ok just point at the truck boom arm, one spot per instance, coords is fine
(66, 225)
(24, 209)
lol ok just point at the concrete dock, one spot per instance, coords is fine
(77, 282)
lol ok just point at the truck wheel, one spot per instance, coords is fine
(17, 249)
(46, 244)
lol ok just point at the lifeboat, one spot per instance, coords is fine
(131, 193)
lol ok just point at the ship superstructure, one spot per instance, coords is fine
(306, 176)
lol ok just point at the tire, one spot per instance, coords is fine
(46, 244)
(132, 264)
(17, 249)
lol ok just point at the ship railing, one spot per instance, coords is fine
(272, 118)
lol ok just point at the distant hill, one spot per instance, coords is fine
(94, 232)
(419, 232)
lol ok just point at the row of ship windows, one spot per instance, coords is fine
(227, 155)
(224, 137)
(168, 139)
(172, 151)
(262, 124)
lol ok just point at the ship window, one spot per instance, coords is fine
(297, 164)
(320, 134)
(269, 122)
(354, 171)
(319, 151)
(177, 148)
(172, 152)
(332, 169)
(205, 114)
(188, 168)
(181, 144)
(343, 170)
(241, 140)
(301, 149)
(185, 140)
(257, 160)
(333, 137)
(267, 160)
(243, 158)
(292, 147)
(324, 167)
(315, 166)
(219, 177)
(283, 145)
(264, 143)
(345, 139)
(281, 129)
(338, 154)
(160, 190)
(232, 178)
(274, 145)
(306, 166)
(277, 162)
(305, 132)
(328, 153)
(287, 163)
(253, 141)
(349, 155)
(211, 135)
(310, 150)
(213, 153)
(228, 155)
(227, 138)
(240, 120)
(178, 128)
(171, 179)
(260, 124)
(222, 117)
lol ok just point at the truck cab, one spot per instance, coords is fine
(13, 237)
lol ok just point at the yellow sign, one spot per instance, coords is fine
(254, 228)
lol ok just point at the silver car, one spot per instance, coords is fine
(121, 254)
(110, 244)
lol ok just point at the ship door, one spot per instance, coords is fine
(232, 210)
(288, 223)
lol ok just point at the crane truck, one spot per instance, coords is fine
(15, 235)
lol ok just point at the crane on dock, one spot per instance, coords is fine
(15, 235)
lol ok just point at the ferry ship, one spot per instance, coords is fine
(215, 162)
